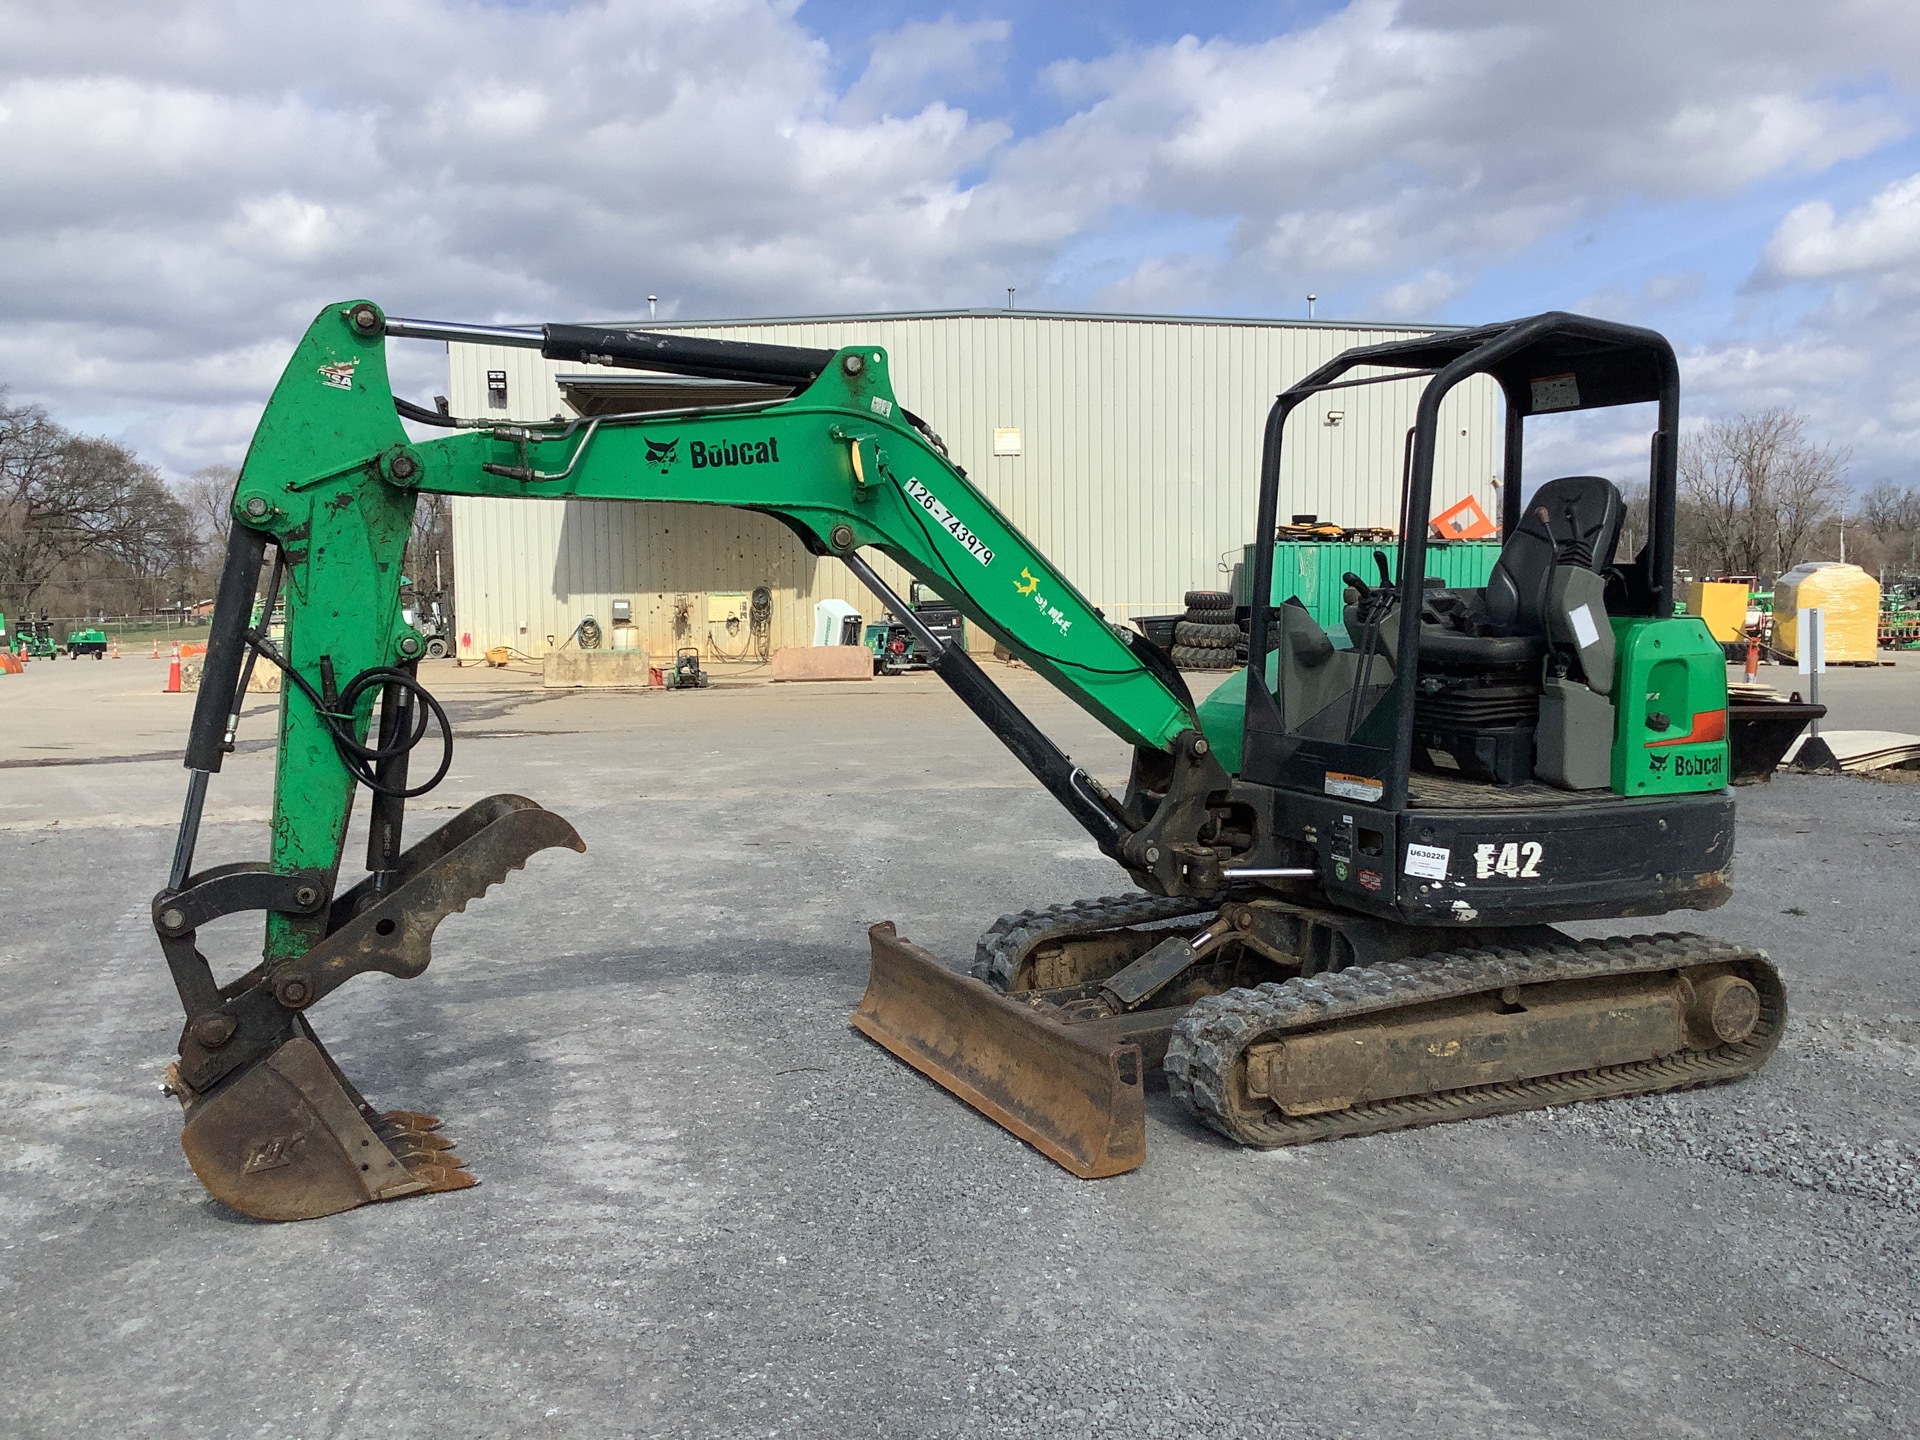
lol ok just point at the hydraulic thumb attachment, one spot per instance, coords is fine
(273, 1129)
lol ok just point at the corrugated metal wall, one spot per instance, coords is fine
(1140, 449)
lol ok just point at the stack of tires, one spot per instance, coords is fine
(1207, 637)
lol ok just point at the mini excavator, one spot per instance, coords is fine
(1350, 858)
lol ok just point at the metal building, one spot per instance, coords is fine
(1126, 447)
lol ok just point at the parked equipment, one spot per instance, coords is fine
(428, 615)
(34, 639)
(87, 642)
(896, 644)
(1351, 856)
(686, 673)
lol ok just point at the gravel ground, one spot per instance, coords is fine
(710, 1209)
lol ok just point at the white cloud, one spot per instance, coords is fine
(1814, 243)
(922, 62)
(1391, 133)
(1418, 299)
(185, 185)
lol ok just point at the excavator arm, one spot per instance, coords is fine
(328, 491)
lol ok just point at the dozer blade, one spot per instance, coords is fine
(273, 1128)
(1075, 1099)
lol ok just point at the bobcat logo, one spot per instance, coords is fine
(1033, 582)
(662, 453)
(1658, 763)
(273, 1153)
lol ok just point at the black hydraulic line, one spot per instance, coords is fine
(335, 708)
(420, 415)
(684, 354)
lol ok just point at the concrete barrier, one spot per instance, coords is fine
(823, 662)
(595, 670)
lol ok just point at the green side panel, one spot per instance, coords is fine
(1314, 570)
(1671, 698)
(1223, 717)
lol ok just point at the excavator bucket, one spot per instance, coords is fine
(1075, 1098)
(284, 1135)
(289, 1138)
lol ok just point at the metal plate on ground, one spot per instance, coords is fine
(1077, 1100)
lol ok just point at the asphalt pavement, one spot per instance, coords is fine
(709, 1208)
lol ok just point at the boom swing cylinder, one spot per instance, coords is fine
(1070, 1010)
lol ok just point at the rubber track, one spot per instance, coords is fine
(1213, 1036)
(997, 955)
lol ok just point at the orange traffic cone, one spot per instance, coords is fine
(156, 647)
(1753, 658)
(173, 676)
(113, 648)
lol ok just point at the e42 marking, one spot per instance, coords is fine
(1516, 860)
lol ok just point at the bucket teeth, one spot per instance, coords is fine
(403, 1127)
(415, 1141)
(406, 1120)
(287, 1139)
(439, 1169)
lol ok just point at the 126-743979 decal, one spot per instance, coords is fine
(1515, 860)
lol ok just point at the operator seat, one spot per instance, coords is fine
(1574, 520)
(1497, 665)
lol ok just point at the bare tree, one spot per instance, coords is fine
(429, 559)
(83, 512)
(1891, 516)
(1634, 524)
(1756, 491)
(207, 495)
(32, 540)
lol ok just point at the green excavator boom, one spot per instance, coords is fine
(329, 487)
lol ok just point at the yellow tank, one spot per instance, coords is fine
(1722, 604)
(1850, 599)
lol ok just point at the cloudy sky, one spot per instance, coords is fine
(182, 185)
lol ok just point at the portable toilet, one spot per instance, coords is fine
(1850, 600)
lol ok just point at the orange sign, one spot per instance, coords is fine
(1464, 521)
